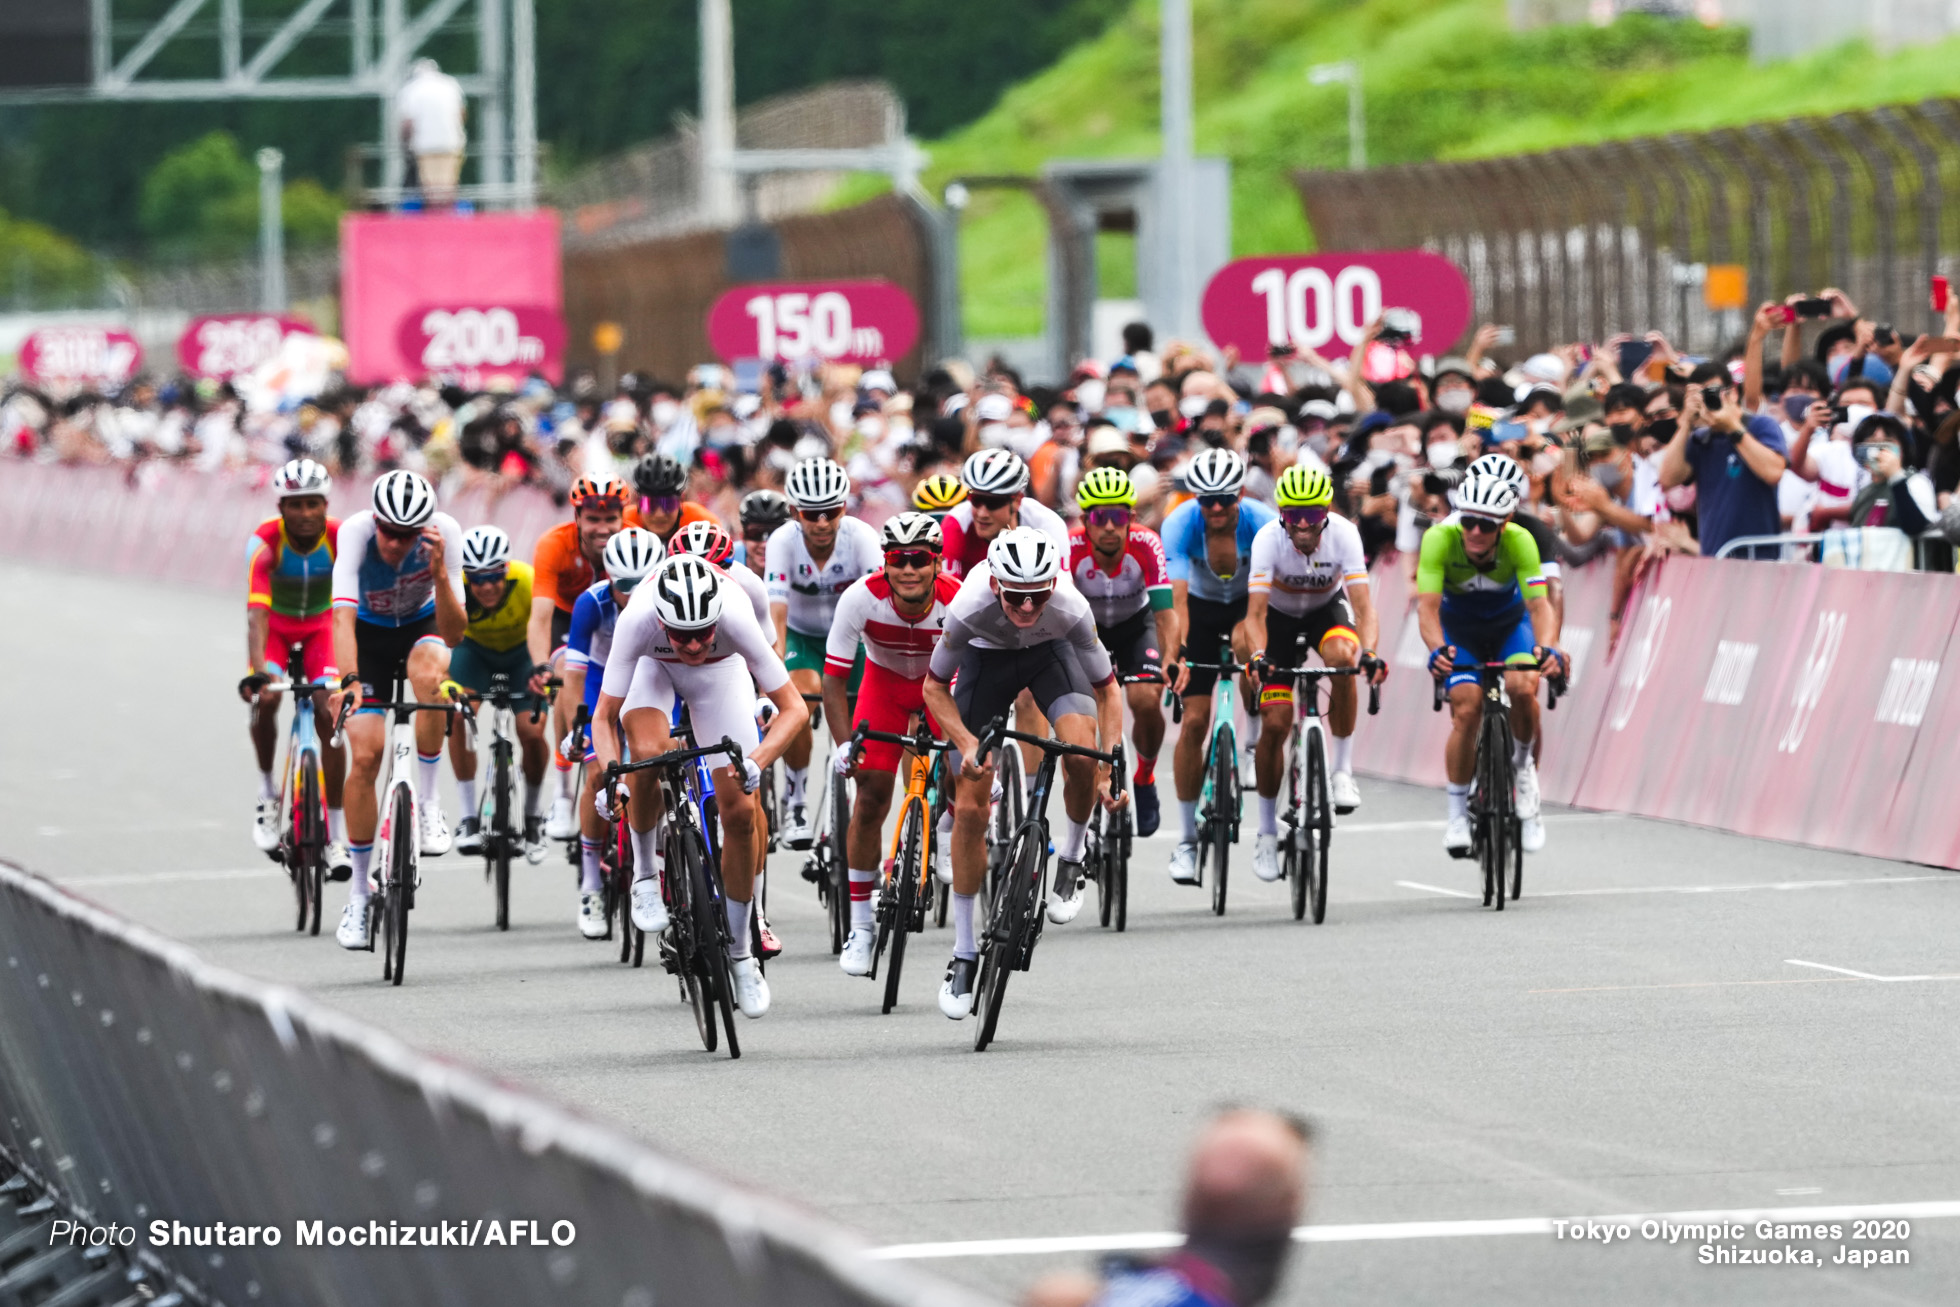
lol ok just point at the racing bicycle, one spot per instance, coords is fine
(1112, 835)
(503, 838)
(1220, 800)
(398, 839)
(909, 891)
(302, 797)
(1496, 830)
(1309, 811)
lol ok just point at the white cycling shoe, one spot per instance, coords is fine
(1184, 862)
(436, 839)
(559, 825)
(1525, 787)
(265, 824)
(469, 836)
(353, 930)
(649, 909)
(1065, 896)
(942, 862)
(1265, 858)
(1347, 795)
(1531, 834)
(856, 957)
(751, 990)
(956, 992)
(1456, 837)
(796, 827)
(592, 914)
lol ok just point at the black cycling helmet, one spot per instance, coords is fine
(659, 474)
(764, 508)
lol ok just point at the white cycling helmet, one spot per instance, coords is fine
(1487, 496)
(687, 593)
(302, 476)
(404, 499)
(1504, 468)
(1024, 558)
(485, 549)
(913, 531)
(631, 554)
(817, 483)
(995, 472)
(1216, 472)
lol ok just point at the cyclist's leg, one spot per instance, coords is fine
(720, 700)
(562, 713)
(319, 666)
(382, 652)
(468, 669)
(886, 703)
(1062, 689)
(988, 681)
(649, 732)
(428, 664)
(805, 663)
(1284, 648)
(1522, 686)
(1201, 643)
(1339, 646)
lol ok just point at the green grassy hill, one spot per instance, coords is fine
(1444, 79)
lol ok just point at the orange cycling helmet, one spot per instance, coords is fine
(589, 493)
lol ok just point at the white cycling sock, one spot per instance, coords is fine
(1343, 752)
(1520, 753)
(963, 946)
(756, 895)
(337, 824)
(738, 928)
(266, 790)
(1253, 723)
(468, 790)
(1074, 835)
(591, 874)
(1269, 815)
(646, 853)
(794, 780)
(533, 797)
(425, 775)
(1189, 809)
(861, 887)
(564, 770)
(357, 889)
(1459, 800)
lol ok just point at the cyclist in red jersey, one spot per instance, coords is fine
(289, 602)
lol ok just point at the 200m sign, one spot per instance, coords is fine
(816, 322)
(474, 339)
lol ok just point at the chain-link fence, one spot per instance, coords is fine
(1576, 244)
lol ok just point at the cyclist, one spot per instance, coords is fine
(895, 616)
(995, 500)
(683, 639)
(630, 555)
(1506, 468)
(1209, 540)
(568, 559)
(1480, 594)
(1308, 590)
(762, 512)
(1015, 625)
(1119, 567)
(289, 563)
(661, 481)
(497, 601)
(813, 558)
(938, 495)
(397, 611)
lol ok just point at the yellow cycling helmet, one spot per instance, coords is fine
(1106, 487)
(939, 493)
(1305, 487)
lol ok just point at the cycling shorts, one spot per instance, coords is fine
(1288, 639)
(887, 704)
(471, 666)
(1132, 643)
(806, 654)
(383, 652)
(989, 680)
(1485, 642)
(1212, 623)
(720, 698)
(313, 634)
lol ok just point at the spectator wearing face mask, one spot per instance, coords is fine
(1735, 460)
(1894, 495)
(1455, 386)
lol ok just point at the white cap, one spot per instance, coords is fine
(993, 408)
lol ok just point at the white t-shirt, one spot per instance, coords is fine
(1295, 583)
(639, 634)
(431, 103)
(811, 593)
(975, 618)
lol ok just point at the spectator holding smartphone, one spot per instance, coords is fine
(1734, 458)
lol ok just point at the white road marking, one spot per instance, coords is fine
(1401, 1230)
(1704, 889)
(162, 877)
(1378, 827)
(1866, 975)
(1437, 889)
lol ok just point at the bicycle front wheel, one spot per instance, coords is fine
(906, 873)
(1224, 810)
(309, 849)
(693, 927)
(1008, 928)
(401, 882)
(1319, 828)
(1494, 805)
(840, 876)
(499, 842)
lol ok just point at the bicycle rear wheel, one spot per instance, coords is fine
(1009, 928)
(401, 883)
(1293, 847)
(500, 840)
(771, 806)
(905, 874)
(1224, 811)
(309, 851)
(1319, 828)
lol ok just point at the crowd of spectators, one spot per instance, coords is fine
(1632, 448)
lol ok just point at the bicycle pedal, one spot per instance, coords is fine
(800, 845)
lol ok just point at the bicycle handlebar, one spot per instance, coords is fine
(1313, 673)
(923, 742)
(1554, 685)
(669, 760)
(997, 733)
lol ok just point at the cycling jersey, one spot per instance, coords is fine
(593, 619)
(720, 694)
(392, 596)
(1179, 1281)
(1190, 560)
(290, 583)
(758, 594)
(868, 619)
(811, 593)
(1141, 579)
(563, 571)
(974, 617)
(502, 629)
(964, 551)
(1295, 583)
(1493, 593)
(639, 634)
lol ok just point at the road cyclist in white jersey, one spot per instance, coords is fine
(813, 558)
(1016, 625)
(1308, 591)
(896, 616)
(398, 611)
(630, 556)
(689, 634)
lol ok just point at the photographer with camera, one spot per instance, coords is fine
(1734, 458)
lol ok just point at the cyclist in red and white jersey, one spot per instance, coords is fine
(895, 615)
(996, 501)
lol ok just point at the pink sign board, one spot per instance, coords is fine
(226, 344)
(1325, 301)
(397, 269)
(863, 322)
(103, 356)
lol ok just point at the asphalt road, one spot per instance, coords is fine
(1633, 1037)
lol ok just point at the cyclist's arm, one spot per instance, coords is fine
(574, 682)
(1256, 604)
(1532, 586)
(257, 620)
(837, 706)
(779, 619)
(446, 575)
(605, 729)
(792, 714)
(258, 602)
(1429, 620)
(938, 696)
(537, 634)
(1367, 622)
(346, 652)
(1109, 715)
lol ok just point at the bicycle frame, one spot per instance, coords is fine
(906, 897)
(302, 849)
(1496, 838)
(1220, 811)
(1309, 804)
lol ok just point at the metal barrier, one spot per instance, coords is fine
(1931, 536)
(148, 1088)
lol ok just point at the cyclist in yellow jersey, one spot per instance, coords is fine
(497, 600)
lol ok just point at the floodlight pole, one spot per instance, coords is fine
(1347, 70)
(272, 233)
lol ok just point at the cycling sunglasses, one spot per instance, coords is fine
(497, 577)
(398, 533)
(910, 558)
(756, 535)
(1304, 517)
(819, 514)
(664, 503)
(1028, 601)
(992, 503)
(1217, 501)
(1481, 525)
(697, 639)
(1109, 517)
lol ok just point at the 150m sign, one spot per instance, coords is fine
(815, 322)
